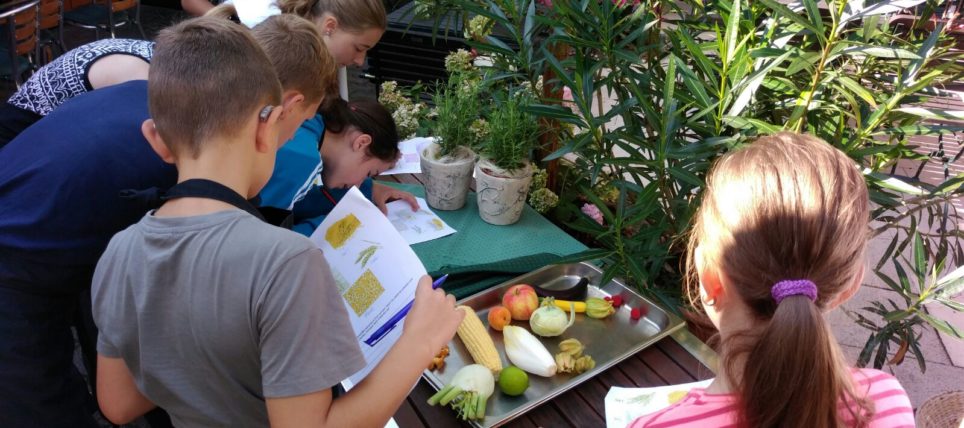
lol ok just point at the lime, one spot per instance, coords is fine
(513, 381)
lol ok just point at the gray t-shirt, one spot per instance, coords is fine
(214, 313)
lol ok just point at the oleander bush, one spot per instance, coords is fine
(640, 97)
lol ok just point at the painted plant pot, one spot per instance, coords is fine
(447, 180)
(501, 193)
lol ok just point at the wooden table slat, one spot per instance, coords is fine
(578, 411)
(641, 375)
(593, 392)
(684, 359)
(547, 415)
(664, 367)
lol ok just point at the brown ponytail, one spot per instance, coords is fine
(352, 15)
(368, 117)
(786, 207)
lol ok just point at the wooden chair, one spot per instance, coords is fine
(51, 19)
(106, 15)
(20, 36)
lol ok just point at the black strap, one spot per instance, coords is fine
(202, 188)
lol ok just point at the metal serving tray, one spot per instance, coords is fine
(608, 340)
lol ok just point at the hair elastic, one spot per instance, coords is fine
(794, 287)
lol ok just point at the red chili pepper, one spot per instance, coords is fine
(608, 299)
(635, 314)
(617, 301)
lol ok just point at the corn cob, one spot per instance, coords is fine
(477, 340)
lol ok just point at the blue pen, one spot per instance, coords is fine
(393, 321)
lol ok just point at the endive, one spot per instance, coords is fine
(527, 352)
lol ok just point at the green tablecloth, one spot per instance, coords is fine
(480, 255)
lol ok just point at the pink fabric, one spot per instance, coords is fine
(699, 409)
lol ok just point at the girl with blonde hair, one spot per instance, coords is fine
(780, 239)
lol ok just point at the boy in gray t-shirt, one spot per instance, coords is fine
(207, 311)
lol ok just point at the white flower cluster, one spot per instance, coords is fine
(540, 198)
(405, 112)
(459, 61)
(478, 28)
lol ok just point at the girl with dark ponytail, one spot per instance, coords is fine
(350, 143)
(779, 239)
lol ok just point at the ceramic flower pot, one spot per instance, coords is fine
(447, 180)
(501, 193)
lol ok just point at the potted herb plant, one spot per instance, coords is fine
(447, 162)
(503, 173)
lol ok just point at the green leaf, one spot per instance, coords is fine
(928, 113)
(924, 52)
(815, 19)
(762, 127)
(942, 325)
(893, 183)
(921, 129)
(856, 88)
(868, 350)
(920, 257)
(753, 83)
(880, 52)
(785, 12)
(951, 284)
(732, 29)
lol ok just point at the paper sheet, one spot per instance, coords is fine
(409, 162)
(417, 226)
(623, 405)
(374, 268)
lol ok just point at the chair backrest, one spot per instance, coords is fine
(24, 27)
(119, 5)
(51, 12)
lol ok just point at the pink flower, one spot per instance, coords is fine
(593, 212)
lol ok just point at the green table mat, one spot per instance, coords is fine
(480, 255)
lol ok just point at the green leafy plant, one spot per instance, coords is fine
(899, 324)
(512, 132)
(659, 90)
(456, 111)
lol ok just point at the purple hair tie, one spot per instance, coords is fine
(793, 287)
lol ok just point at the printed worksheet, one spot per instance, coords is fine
(409, 162)
(623, 405)
(417, 226)
(375, 270)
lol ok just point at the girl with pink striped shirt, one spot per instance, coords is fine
(780, 239)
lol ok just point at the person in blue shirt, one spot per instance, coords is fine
(346, 145)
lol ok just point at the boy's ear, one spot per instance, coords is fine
(157, 143)
(290, 99)
(710, 282)
(266, 135)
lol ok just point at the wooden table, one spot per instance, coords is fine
(680, 358)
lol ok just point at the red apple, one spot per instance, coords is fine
(521, 300)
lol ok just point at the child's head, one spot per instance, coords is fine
(350, 27)
(786, 207)
(210, 81)
(303, 65)
(361, 141)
